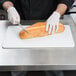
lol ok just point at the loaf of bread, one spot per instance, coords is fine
(38, 30)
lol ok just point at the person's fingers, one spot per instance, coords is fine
(13, 20)
(9, 17)
(17, 20)
(53, 29)
(47, 26)
(13, 16)
(50, 29)
(57, 27)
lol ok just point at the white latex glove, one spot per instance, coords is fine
(52, 22)
(13, 15)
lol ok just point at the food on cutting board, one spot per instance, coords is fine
(38, 30)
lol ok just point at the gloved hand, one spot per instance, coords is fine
(52, 22)
(13, 15)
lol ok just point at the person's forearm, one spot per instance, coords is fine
(61, 9)
(7, 5)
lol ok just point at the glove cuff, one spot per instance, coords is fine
(56, 14)
(10, 8)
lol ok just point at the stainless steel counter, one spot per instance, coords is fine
(38, 58)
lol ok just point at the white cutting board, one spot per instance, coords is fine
(12, 39)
